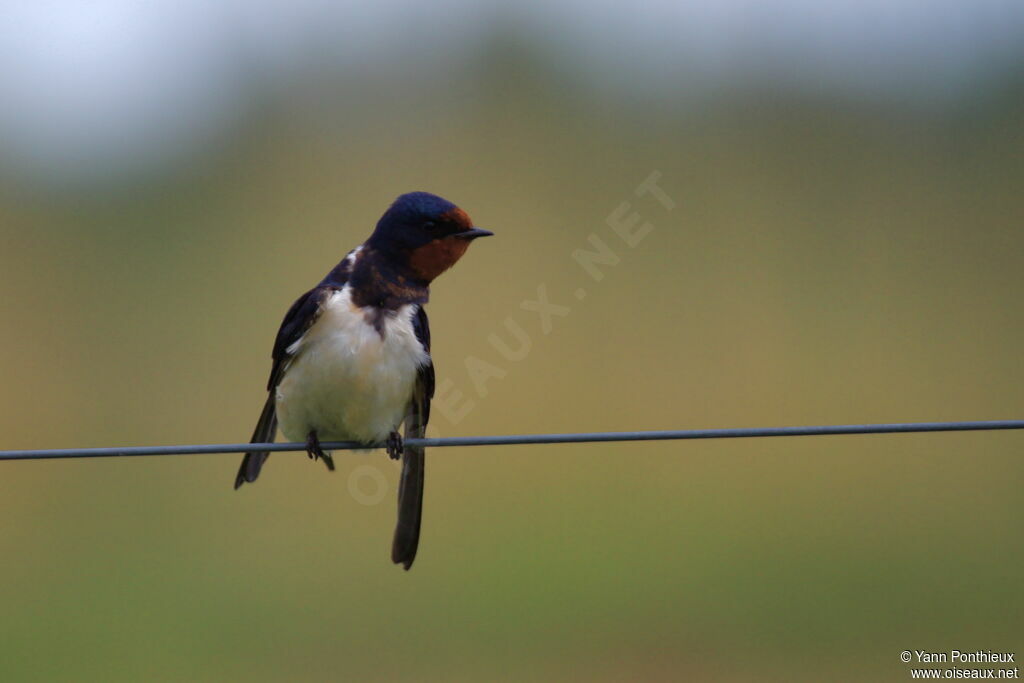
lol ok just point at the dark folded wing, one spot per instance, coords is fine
(410, 487)
(425, 380)
(299, 318)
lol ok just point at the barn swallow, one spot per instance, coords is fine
(351, 361)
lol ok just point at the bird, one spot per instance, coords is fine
(351, 361)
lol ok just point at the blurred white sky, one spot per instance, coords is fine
(114, 85)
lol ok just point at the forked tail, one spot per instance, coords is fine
(264, 433)
(410, 507)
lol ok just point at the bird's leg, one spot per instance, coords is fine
(314, 450)
(394, 445)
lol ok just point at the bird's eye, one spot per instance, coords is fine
(430, 225)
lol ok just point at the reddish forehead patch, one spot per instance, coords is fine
(459, 217)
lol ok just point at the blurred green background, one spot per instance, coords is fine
(839, 252)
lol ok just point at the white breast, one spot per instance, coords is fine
(347, 380)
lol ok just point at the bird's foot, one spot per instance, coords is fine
(394, 445)
(313, 449)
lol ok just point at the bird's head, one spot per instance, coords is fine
(424, 233)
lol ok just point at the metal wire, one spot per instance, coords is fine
(526, 439)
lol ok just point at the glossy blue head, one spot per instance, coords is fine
(414, 209)
(426, 232)
(417, 218)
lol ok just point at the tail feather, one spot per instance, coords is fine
(410, 507)
(264, 433)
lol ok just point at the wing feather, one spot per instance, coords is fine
(299, 318)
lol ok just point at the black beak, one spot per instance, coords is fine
(473, 233)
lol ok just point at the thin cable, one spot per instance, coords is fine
(527, 439)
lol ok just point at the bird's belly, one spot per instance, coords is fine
(348, 381)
